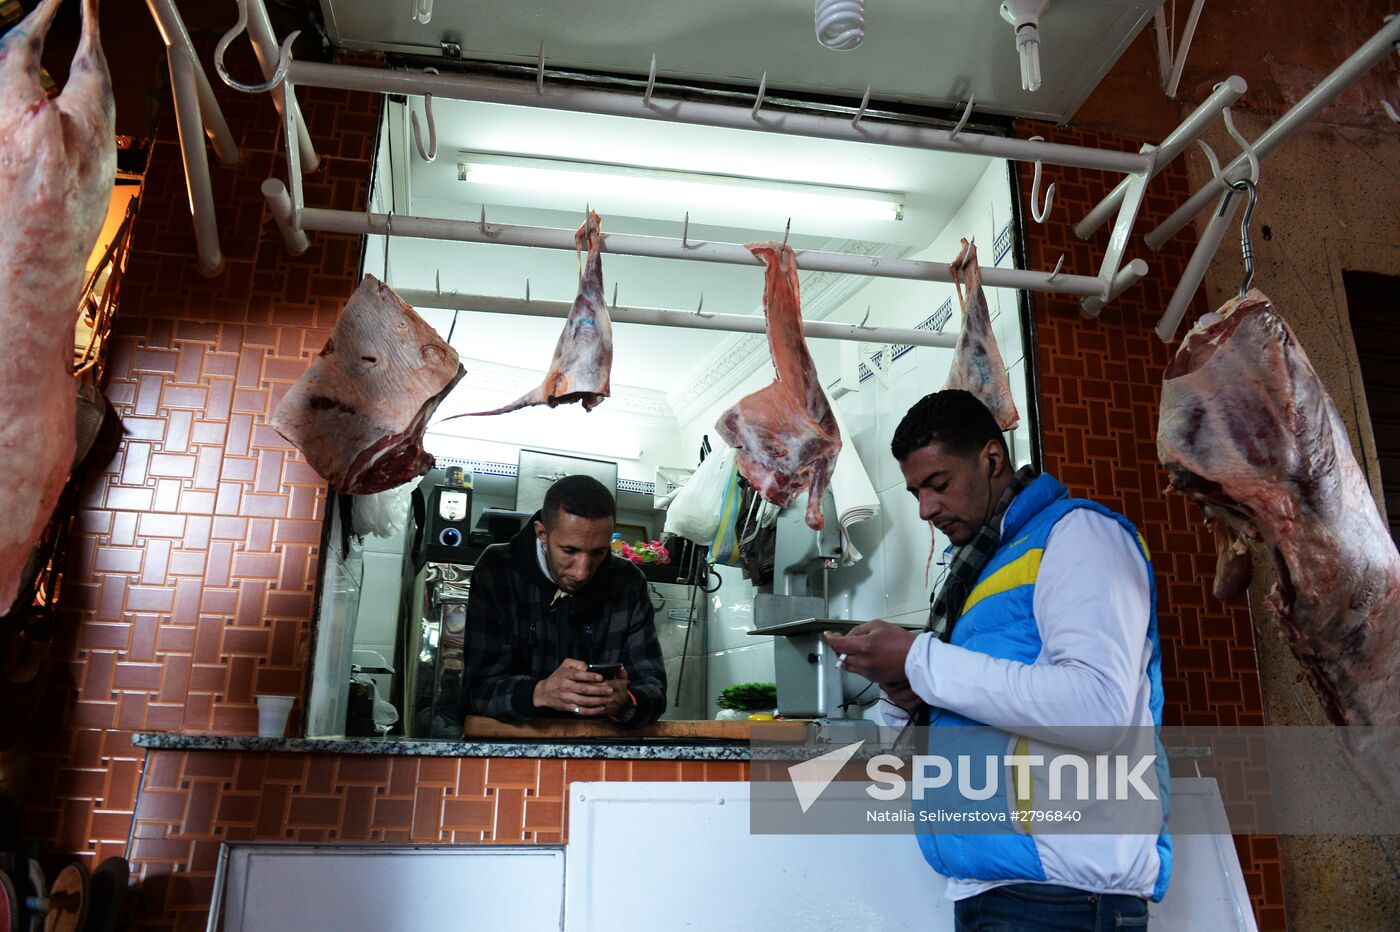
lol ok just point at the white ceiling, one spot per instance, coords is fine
(918, 51)
(933, 185)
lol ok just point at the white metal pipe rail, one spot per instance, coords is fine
(183, 69)
(1196, 268)
(266, 50)
(1229, 91)
(173, 33)
(627, 244)
(498, 90)
(1327, 90)
(662, 317)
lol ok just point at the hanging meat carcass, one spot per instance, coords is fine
(977, 365)
(1249, 432)
(582, 363)
(785, 435)
(57, 164)
(359, 412)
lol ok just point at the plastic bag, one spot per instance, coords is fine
(669, 482)
(724, 547)
(383, 514)
(694, 512)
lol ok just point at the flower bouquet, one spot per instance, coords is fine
(647, 552)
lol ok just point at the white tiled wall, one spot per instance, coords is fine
(731, 655)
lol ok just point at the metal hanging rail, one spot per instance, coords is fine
(513, 92)
(658, 247)
(662, 317)
(1327, 90)
(197, 115)
(1229, 91)
(294, 218)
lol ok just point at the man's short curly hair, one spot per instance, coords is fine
(581, 496)
(952, 418)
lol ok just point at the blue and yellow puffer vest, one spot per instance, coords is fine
(998, 620)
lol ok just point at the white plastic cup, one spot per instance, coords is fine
(272, 715)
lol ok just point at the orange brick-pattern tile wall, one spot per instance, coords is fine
(193, 558)
(1100, 387)
(191, 802)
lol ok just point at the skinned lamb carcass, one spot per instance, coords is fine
(1248, 431)
(582, 365)
(977, 365)
(359, 412)
(785, 436)
(58, 161)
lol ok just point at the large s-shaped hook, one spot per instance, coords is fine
(1038, 212)
(429, 153)
(284, 57)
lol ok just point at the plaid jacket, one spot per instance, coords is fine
(518, 633)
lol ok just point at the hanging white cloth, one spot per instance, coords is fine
(852, 492)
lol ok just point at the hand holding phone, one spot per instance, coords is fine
(609, 671)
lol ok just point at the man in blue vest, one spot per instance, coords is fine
(1047, 620)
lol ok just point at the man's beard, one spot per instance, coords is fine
(558, 576)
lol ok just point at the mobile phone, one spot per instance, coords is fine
(610, 671)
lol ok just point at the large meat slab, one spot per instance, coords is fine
(57, 162)
(359, 412)
(977, 364)
(1249, 432)
(785, 436)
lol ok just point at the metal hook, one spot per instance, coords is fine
(485, 230)
(284, 57)
(651, 82)
(1037, 211)
(864, 102)
(865, 318)
(1244, 145)
(698, 311)
(527, 291)
(962, 121)
(430, 153)
(1056, 273)
(1246, 249)
(437, 281)
(786, 230)
(762, 91)
(539, 70)
(614, 301)
(685, 232)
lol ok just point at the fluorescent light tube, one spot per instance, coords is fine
(682, 189)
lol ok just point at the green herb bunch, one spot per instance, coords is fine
(749, 697)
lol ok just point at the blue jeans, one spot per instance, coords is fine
(1048, 907)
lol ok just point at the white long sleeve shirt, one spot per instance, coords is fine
(1091, 606)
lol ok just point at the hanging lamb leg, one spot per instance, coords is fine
(582, 363)
(785, 435)
(977, 365)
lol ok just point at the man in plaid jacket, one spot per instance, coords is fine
(549, 603)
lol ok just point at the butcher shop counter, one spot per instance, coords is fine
(697, 741)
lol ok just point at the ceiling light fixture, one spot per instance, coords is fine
(595, 183)
(1024, 17)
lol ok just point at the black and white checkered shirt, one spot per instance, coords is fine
(520, 627)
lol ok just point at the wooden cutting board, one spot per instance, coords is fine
(479, 726)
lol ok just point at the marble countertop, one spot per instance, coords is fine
(639, 749)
